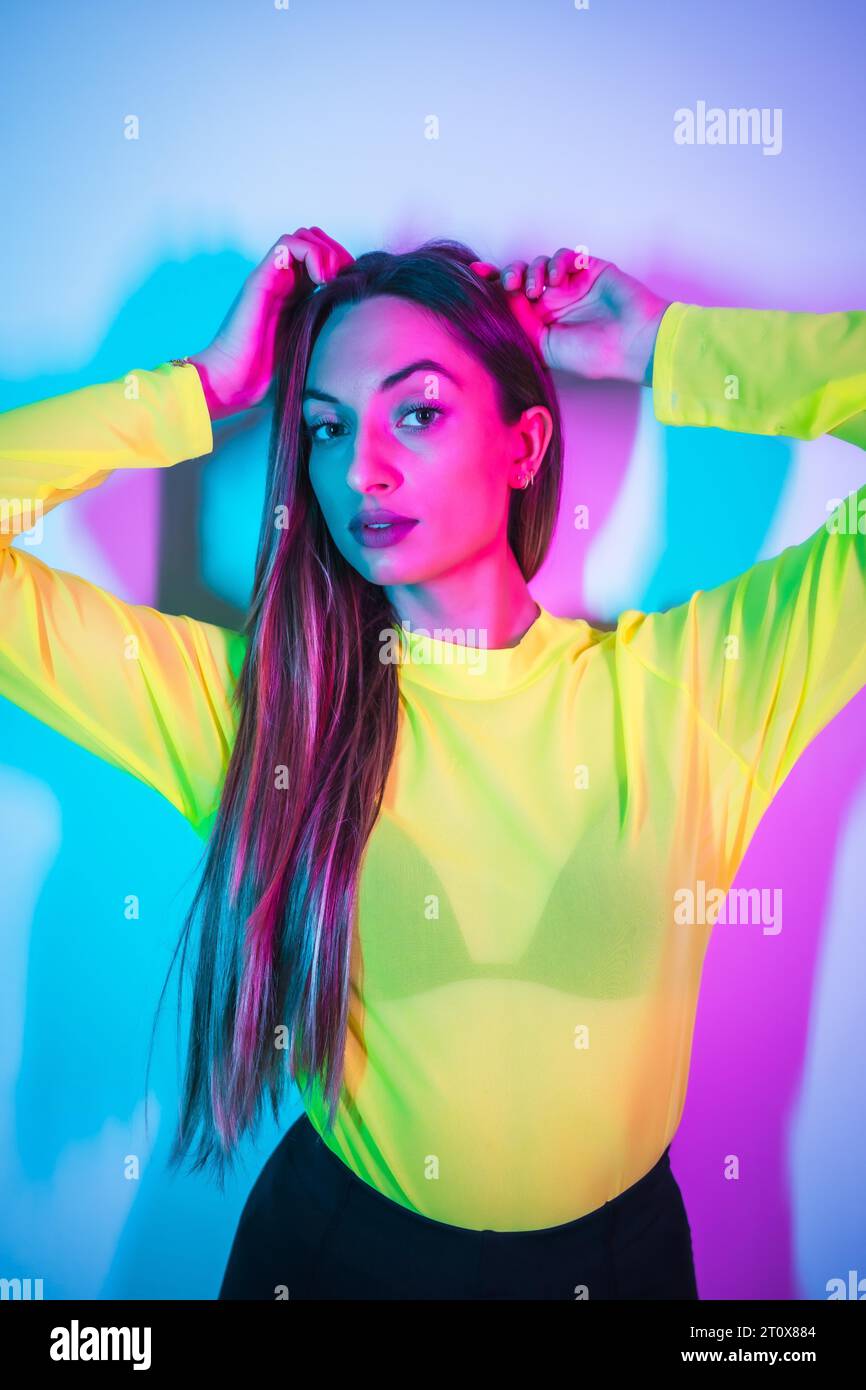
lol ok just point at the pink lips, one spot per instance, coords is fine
(380, 527)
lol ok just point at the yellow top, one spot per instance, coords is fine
(537, 895)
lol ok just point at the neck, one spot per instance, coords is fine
(487, 605)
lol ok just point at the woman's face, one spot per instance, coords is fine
(402, 418)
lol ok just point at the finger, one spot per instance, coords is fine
(299, 254)
(585, 264)
(278, 270)
(344, 257)
(560, 265)
(512, 275)
(320, 259)
(484, 268)
(535, 277)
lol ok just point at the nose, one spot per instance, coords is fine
(372, 469)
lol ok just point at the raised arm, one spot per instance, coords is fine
(147, 692)
(150, 693)
(766, 659)
(762, 371)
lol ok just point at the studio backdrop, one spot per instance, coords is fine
(150, 156)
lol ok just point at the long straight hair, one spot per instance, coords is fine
(317, 727)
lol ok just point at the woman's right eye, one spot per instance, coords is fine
(319, 425)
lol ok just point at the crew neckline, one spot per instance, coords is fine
(470, 671)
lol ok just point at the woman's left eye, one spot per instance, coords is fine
(418, 408)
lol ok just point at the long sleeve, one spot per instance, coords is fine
(766, 659)
(148, 692)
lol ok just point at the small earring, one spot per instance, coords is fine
(528, 480)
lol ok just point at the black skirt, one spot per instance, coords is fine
(311, 1229)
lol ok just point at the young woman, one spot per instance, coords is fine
(449, 835)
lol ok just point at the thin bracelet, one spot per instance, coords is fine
(179, 361)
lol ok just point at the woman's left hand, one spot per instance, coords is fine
(584, 315)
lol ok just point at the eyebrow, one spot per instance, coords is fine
(423, 364)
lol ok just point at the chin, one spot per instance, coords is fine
(394, 564)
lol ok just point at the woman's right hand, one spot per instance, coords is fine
(237, 368)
